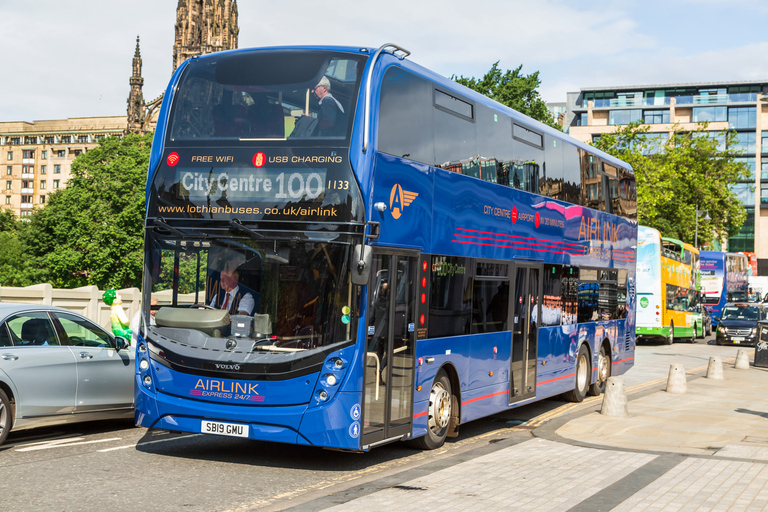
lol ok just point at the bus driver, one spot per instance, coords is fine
(233, 297)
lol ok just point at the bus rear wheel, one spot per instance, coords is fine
(603, 372)
(583, 376)
(438, 414)
(671, 338)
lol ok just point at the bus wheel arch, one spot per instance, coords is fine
(453, 376)
(583, 375)
(443, 394)
(604, 366)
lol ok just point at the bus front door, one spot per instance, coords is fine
(388, 388)
(525, 331)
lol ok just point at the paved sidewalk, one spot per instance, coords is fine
(704, 450)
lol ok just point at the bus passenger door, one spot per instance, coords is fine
(388, 388)
(525, 331)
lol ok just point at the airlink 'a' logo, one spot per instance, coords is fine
(399, 199)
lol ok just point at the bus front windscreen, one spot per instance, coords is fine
(267, 95)
(269, 295)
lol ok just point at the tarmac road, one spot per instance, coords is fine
(113, 466)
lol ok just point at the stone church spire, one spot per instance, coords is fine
(204, 26)
(136, 106)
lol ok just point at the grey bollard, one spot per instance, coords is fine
(742, 360)
(677, 383)
(715, 368)
(615, 398)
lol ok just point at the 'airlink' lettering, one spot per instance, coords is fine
(226, 387)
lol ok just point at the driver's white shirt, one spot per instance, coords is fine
(246, 301)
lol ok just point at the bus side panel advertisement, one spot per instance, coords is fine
(484, 221)
(405, 189)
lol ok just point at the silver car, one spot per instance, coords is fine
(59, 367)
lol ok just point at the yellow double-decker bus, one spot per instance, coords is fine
(695, 297)
(667, 288)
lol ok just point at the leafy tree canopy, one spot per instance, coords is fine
(514, 90)
(8, 220)
(675, 176)
(90, 232)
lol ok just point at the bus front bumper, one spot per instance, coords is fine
(329, 425)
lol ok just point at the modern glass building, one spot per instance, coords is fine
(738, 106)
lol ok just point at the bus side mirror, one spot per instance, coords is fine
(361, 264)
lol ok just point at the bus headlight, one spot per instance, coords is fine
(330, 379)
(144, 364)
(142, 348)
(147, 381)
(322, 395)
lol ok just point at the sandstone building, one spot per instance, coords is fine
(36, 157)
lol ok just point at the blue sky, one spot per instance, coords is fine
(73, 58)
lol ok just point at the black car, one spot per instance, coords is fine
(738, 323)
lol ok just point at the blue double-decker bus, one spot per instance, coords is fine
(724, 278)
(346, 249)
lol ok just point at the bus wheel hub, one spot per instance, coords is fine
(439, 407)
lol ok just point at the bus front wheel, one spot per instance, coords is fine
(438, 413)
(583, 376)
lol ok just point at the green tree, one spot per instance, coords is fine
(8, 220)
(513, 89)
(17, 268)
(675, 176)
(91, 231)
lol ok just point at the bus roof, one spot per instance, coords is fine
(450, 84)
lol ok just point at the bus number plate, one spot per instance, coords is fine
(224, 429)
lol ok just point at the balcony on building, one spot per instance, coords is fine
(748, 98)
(28, 175)
(26, 206)
(28, 191)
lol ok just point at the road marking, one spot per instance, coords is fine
(148, 442)
(54, 441)
(60, 444)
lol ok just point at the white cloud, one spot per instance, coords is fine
(69, 59)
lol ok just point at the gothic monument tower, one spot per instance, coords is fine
(204, 26)
(136, 106)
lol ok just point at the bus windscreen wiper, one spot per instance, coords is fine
(235, 223)
(159, 223)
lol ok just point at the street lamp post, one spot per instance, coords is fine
(706, 218)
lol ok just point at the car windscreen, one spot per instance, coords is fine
(740, 313)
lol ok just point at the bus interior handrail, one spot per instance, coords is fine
(367, 122)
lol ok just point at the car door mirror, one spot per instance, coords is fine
(121, 343)
(716, 318)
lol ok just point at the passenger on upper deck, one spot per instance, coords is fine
(331, 112)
